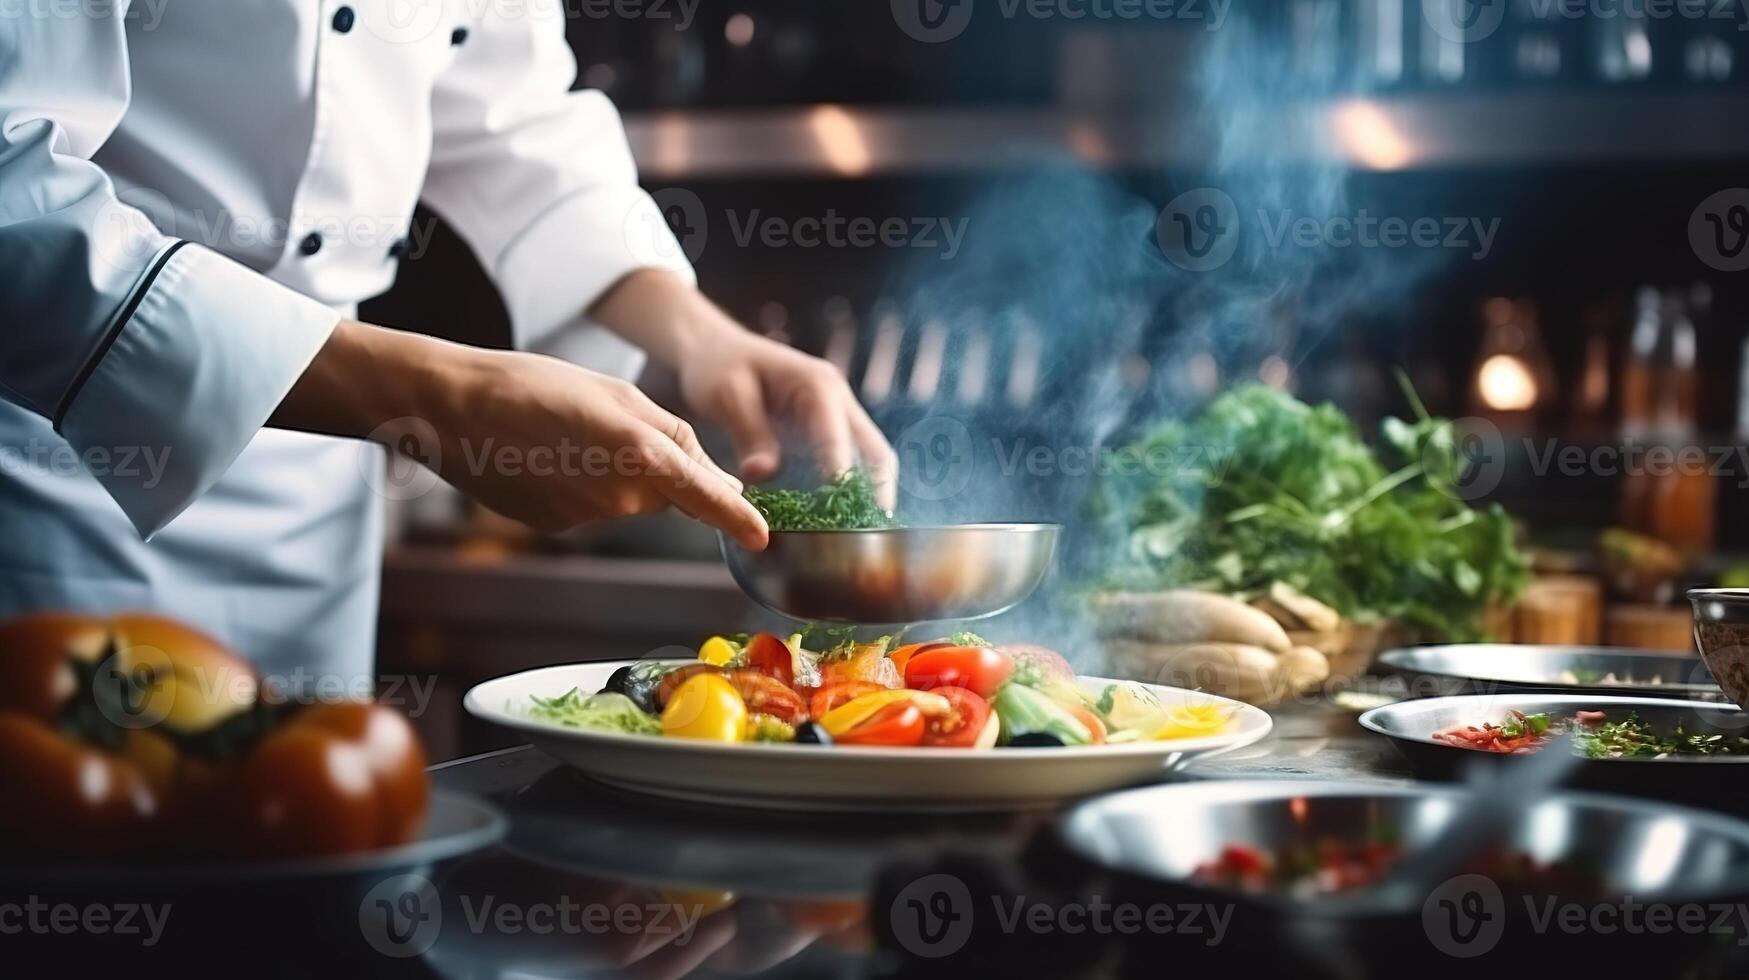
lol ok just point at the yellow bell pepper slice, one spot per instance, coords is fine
(858, 710)
(1192, 721)
(717, 651)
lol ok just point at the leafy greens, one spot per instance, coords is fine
(846, 504)
(1264, 488)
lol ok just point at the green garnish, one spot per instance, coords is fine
(1262, 488)
(1632, 738)
(966, 638)
(598, 712)
(846, 504)
(1514, 727)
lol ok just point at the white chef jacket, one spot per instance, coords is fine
(192, 192)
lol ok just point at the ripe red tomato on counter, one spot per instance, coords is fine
(135, 734)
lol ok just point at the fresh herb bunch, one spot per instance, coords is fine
(846, 504)
(1265, 488)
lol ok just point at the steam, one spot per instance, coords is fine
(1131, 335)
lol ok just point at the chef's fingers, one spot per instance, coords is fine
(878, 456)
(820, 411)
(677, 429)
(700, 492)
(742, 412)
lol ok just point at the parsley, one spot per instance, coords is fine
(846, 504)
(1263, 488)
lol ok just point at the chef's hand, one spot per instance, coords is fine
(749, 384)
(582, 446)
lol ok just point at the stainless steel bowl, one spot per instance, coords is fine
(1149, 842)
(896, 575)
(1485, 668)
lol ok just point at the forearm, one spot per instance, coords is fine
(664, 314)
(367, 376)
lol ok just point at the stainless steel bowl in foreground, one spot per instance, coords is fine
(896, 575)
(1615, 852)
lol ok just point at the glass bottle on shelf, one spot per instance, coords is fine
(1668, 490)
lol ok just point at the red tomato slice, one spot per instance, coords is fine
(980, 670)
(766, 695)
(965, 719)
(903, 655)
(770, 655)
(833, 695)
(899, 723)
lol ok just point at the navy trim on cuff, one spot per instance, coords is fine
(115, 329)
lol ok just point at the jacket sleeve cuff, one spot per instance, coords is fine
(560, 265)
(206, 356)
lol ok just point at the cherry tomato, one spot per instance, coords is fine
(851, 714)
(964, 721)
(770, 655)
(903, 655)
(1043, 659)
(980, 670)
(899, 723)
(833, 695)
(766, 695)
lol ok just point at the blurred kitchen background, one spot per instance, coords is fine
(1603, 310)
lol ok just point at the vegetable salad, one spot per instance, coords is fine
(961, 692)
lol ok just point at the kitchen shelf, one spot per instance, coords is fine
(1444, 130)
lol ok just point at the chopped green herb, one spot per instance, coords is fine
(1632, 738)
(846, 504)
(598, 712)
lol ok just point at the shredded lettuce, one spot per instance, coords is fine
(597, 712)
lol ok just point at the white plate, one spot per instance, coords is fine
(833, 777)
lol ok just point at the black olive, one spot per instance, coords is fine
(810, 733)
(1036, 740)
(619, 682)
(638, 682)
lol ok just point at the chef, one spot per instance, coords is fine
(194, 197)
